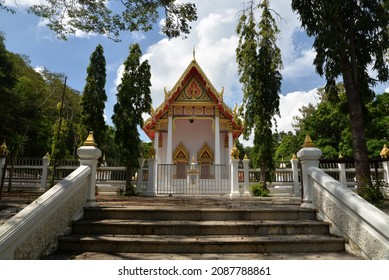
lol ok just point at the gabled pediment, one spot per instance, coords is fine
(205, 155)
(181, 154)
(193, 94)
(193, 91)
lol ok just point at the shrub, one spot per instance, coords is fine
(260, 190)
(128, 190)
(374, 195)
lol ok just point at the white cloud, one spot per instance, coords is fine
(290, 105)
(23, 3)
(289, 108)
(215, 42)
(301, 66)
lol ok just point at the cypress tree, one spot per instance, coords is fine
(133, 99)
(94, 98)
(259, 64)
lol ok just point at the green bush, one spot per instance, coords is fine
(260, 190)
(374, 195)
(128, 190)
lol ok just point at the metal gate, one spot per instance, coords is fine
(193, 179)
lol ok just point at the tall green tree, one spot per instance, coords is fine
(350, 36)
(94, 97)
(259, 65)
(7, 82)
(110, 17)
(133, 99)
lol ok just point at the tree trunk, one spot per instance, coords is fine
(357, 124)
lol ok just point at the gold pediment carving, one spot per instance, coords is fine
(180, 154)
(205, 155)
(193, 92)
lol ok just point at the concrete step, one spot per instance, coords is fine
(211, 214)
(172, 227)
(194, 231)
(185, 256)
(205, 244)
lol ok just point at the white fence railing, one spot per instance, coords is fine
(287, 180)
(193, 179)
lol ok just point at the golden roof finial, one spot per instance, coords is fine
(90, 140)
(308, 143)
(194, 52)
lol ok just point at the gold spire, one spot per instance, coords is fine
(294, 157)
(308, 143)
(194, 52)
(90, 140)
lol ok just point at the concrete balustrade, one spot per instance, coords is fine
(34, 231)
(364, 226)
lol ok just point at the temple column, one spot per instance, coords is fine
(217, 139)
(230, 143)
(156, 146)
(169, 150)
(152, 190)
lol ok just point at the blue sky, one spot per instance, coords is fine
(213, 37)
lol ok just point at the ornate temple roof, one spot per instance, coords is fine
(193, 95)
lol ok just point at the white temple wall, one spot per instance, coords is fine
(193, 135)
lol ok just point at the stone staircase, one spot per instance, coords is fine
(200, 231)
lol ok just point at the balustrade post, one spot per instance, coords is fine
(386, 171)
(3, 160)
(309, 156)
(139, 175)
(246, 184)
(342, 174)
(151, 177)
(2, 164)
(45, 170)
(89, 154)
(295, 173)
(234, 178)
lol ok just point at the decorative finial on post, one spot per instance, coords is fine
(90, 140)
(384, 152)
(308, 143)
(3, 149)
(235, 152)
(294, 157)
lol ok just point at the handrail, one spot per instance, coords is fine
(365, 226)
(45, 219)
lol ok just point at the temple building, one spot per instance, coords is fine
(193, 126)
